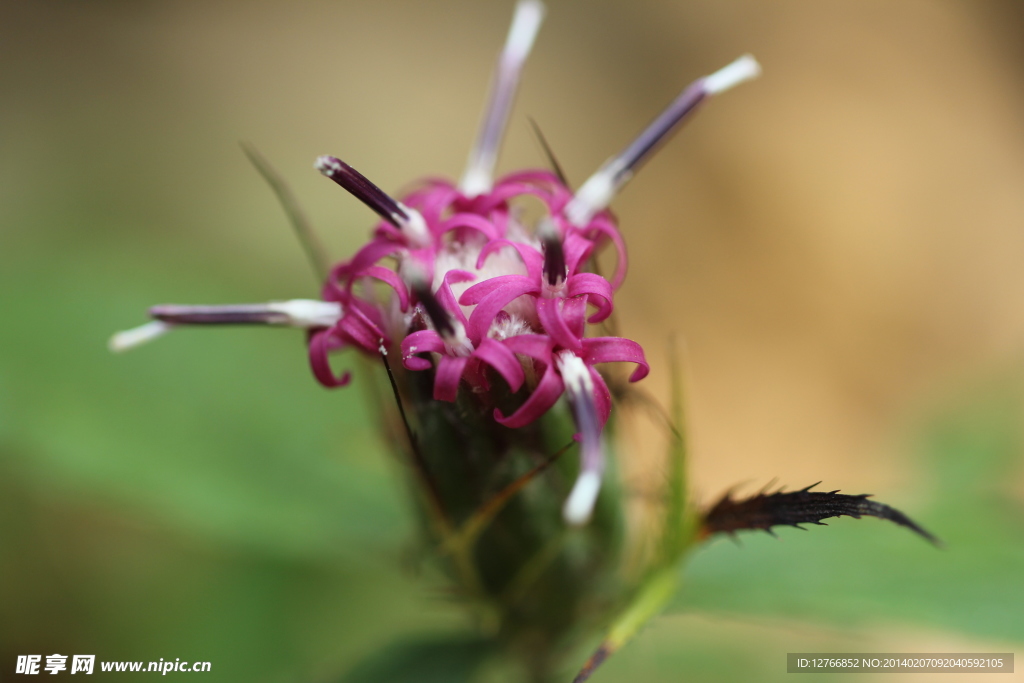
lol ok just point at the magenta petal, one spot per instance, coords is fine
(550, 314)
(422, 341)
(474, 294)
(447, 377)
(470, 221)
(616, 349)
(388, 233)
(320, 343)
(391, 278)
(367, 256)
(447, 297)
(598, 291)
(416, 363)
(507, 190)
(556, 195)
(432, 200)
(536, 346)
(359, 329)
(483, 315)
(574, 312)
(548, 390)
(577, 250)
(532, 259)
(602, 396)
(503, 360)
(603, 225)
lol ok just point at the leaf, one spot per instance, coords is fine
(860, 572)
(793, 508)
(423, 660)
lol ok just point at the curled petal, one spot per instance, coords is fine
(390, 278)
(365, 257)
(483, 315)
(387, 233)
(477, 292)
(536, 176)
(577, 250)
(422, 341)
(548, 390)
(432, 199)
(550, 313)
(532, 258)
(497, 197)
(469, 221)
(447, 297)
(320, 343)
(602, 225)
(602, 396)
(536, 346)
(447, 377)
(616, 349)
(598, 291)
(355, 326)
(540, 178)
(503, 361)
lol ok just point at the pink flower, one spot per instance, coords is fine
(456, 278)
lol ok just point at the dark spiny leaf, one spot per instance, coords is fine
(793, 508)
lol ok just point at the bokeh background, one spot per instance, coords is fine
(840, 244)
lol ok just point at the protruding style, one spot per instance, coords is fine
(579, 389)
(479, 175)
(409, 221)
(598, 191)
(554, 256)
(305, 313)
(137, 336)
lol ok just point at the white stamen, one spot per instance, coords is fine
(525, 25)
(595, 194)
(479, 175)
(476, 180)
(743, 69)
(414, 227)
(307, 312)
(327, 165)
(598, 191)
(579, 386)
(575, 375)
(580, 503)
(137, 336)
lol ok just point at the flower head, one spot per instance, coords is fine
(474, 294)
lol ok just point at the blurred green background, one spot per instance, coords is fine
(841, 244)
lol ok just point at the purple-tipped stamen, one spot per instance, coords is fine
(441, 319)
(362, 189)
(579, 389)
(554, 258)
(597, 192)
(242, 314)
(402, 217)
(450, 329)
(295, 313)
(479, 175)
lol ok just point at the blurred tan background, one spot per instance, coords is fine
(841, 243)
